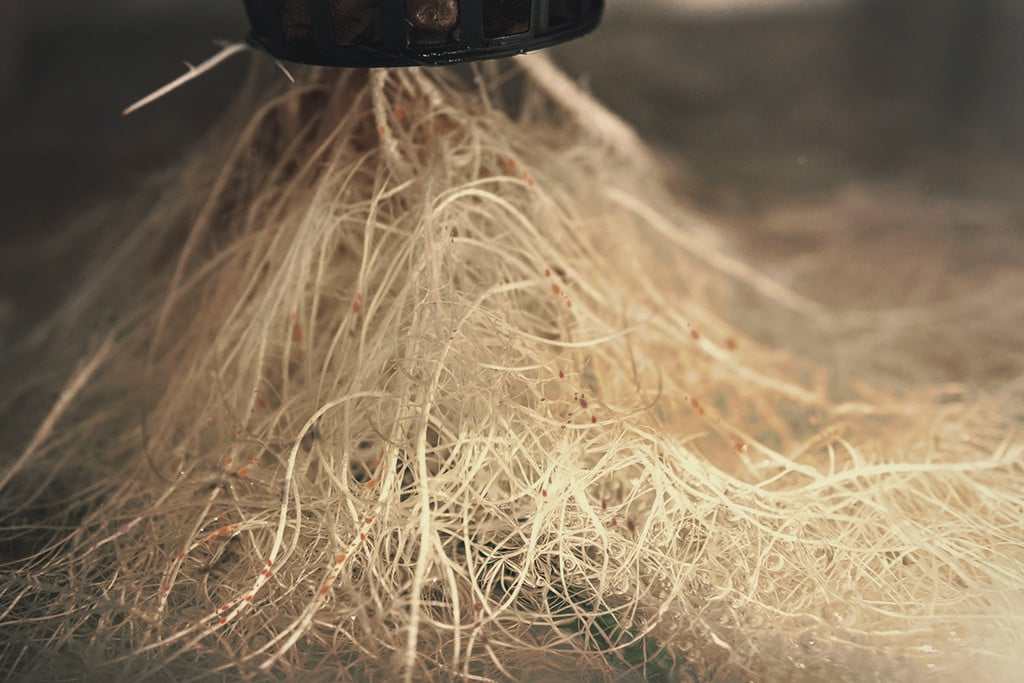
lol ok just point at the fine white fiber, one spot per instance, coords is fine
(419, 374)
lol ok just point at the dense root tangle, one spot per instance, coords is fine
(400, 383)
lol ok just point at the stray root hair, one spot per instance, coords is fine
(414, 377)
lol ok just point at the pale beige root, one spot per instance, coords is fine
(414, 386)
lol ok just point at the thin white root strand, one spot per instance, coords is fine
(192, 73)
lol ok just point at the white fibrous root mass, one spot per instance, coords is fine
(420, 374)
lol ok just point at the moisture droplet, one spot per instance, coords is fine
(833, 615)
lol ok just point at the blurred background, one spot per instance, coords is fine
(795, 125)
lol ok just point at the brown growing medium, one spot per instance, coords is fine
(346, 428)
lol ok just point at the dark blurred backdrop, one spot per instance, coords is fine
(759, 108)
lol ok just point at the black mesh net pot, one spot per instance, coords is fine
(414, 32)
